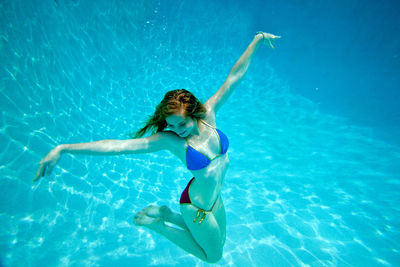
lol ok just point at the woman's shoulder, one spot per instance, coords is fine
(174, 143)
(169, 136)
(210, 116)
(167, 140)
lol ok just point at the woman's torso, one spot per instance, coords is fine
(208, 181)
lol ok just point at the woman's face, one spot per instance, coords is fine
(181, 125)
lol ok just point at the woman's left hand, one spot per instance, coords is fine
(268, 37)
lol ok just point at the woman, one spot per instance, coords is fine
(193, 137)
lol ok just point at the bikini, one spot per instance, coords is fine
(196, 160)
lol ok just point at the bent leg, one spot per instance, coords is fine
(207, 233)
(220, 215)
(181, 238)
(176, 218)
(204, 240)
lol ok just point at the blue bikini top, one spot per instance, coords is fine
(196, 160)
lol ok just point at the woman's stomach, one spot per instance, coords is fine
(208, 183)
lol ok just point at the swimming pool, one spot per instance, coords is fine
(305, 186)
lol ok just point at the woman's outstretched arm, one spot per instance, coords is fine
(238, 71)
(156, 142)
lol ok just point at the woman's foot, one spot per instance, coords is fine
(142, 219)
(162, 212)
(152, 217)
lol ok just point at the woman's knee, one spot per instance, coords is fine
(214, 257)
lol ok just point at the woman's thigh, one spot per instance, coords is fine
(219, 213)
(207, 233)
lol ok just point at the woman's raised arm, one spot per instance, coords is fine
(153, 143)
(238, 71)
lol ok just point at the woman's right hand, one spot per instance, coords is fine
(47, 164)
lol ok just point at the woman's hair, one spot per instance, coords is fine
(173, 102)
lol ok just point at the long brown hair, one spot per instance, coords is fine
(173, 102)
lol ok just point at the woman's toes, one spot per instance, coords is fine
(141, 219)
(152, 216)
(149, 222)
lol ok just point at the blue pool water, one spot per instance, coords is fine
(314, 178)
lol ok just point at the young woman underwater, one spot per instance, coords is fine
(186, 128)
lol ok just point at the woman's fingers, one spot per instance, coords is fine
(271, 36)
(47, 164)
(267, 37)
(36, 176)
(43, 167)
(42, 170)
(39, 172)
(49, 169)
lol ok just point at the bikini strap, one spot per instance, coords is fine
(201, 214)
(206, 123)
